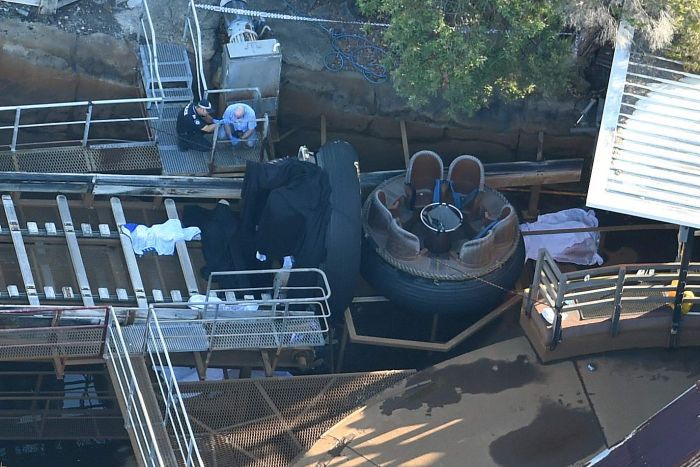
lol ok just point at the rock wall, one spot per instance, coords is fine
(42, 63)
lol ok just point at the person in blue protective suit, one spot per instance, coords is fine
(238, 124)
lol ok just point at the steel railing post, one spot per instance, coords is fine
(88, 118)
(558, 304)
(145, 347)
(535, 287)
(617, 303)
(15, 131)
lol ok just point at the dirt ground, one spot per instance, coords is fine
(90, 16)
(82, 17)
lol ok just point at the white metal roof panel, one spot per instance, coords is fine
(647, 160)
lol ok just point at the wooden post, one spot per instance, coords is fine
(323, 129)
(433, 330)
(404, 142)
(343, 344)
(532, 207)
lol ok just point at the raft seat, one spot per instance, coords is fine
(379, 217)
(466, 175)
(423, 169)
(487, 207)
(389, 234)
(401, 243)
(479, 253)
(505, 230)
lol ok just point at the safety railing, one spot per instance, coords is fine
(609, 291)
(53, 334)
(175, 418)
(87, 122)
(149, 36)
(192, 17)
(136, 410)
(292, 311)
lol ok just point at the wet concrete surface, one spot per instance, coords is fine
(438, 387)
(497, 405)
(628, 387)
(494, 406)
(572, 434)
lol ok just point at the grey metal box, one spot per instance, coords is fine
(255, 64)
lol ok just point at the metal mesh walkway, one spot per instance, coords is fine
(634, 302)
(268, 422)
(123, 159)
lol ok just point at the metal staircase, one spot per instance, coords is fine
(173, 70)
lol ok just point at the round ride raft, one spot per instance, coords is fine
(441, 244)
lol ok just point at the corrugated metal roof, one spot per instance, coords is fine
(647, 160)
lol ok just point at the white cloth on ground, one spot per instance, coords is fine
(160, 238)
(577, 248)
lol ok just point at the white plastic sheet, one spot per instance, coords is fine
(160, 238)
(578, 248)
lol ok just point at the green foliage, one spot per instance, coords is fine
(466, 54)
(469, 53)
(686, 42)
(669, 26)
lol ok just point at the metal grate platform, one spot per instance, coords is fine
(43, 343)
(174, 161)
(628, 307)
(270, 421)
(173, 64)
(265, 333)
(182, 337)
(227, 158)
(78, 159)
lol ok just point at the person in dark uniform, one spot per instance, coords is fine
(193, 122)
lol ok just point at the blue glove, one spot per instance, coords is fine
(234, 140)
(217, 121)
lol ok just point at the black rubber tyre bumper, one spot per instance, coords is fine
(474, 297)
(344, 237)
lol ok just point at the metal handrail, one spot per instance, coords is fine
(578, 290)
(325, 286)
(88, 121)
(188, 27)
(175, 413)
(198, 50)
(116, 353)
(154, 50)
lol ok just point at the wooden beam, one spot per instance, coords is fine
(533, 204)
(429, 346)
(504, 174)
(404, 143)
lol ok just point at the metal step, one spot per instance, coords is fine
(173, 65)
(172, 94)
